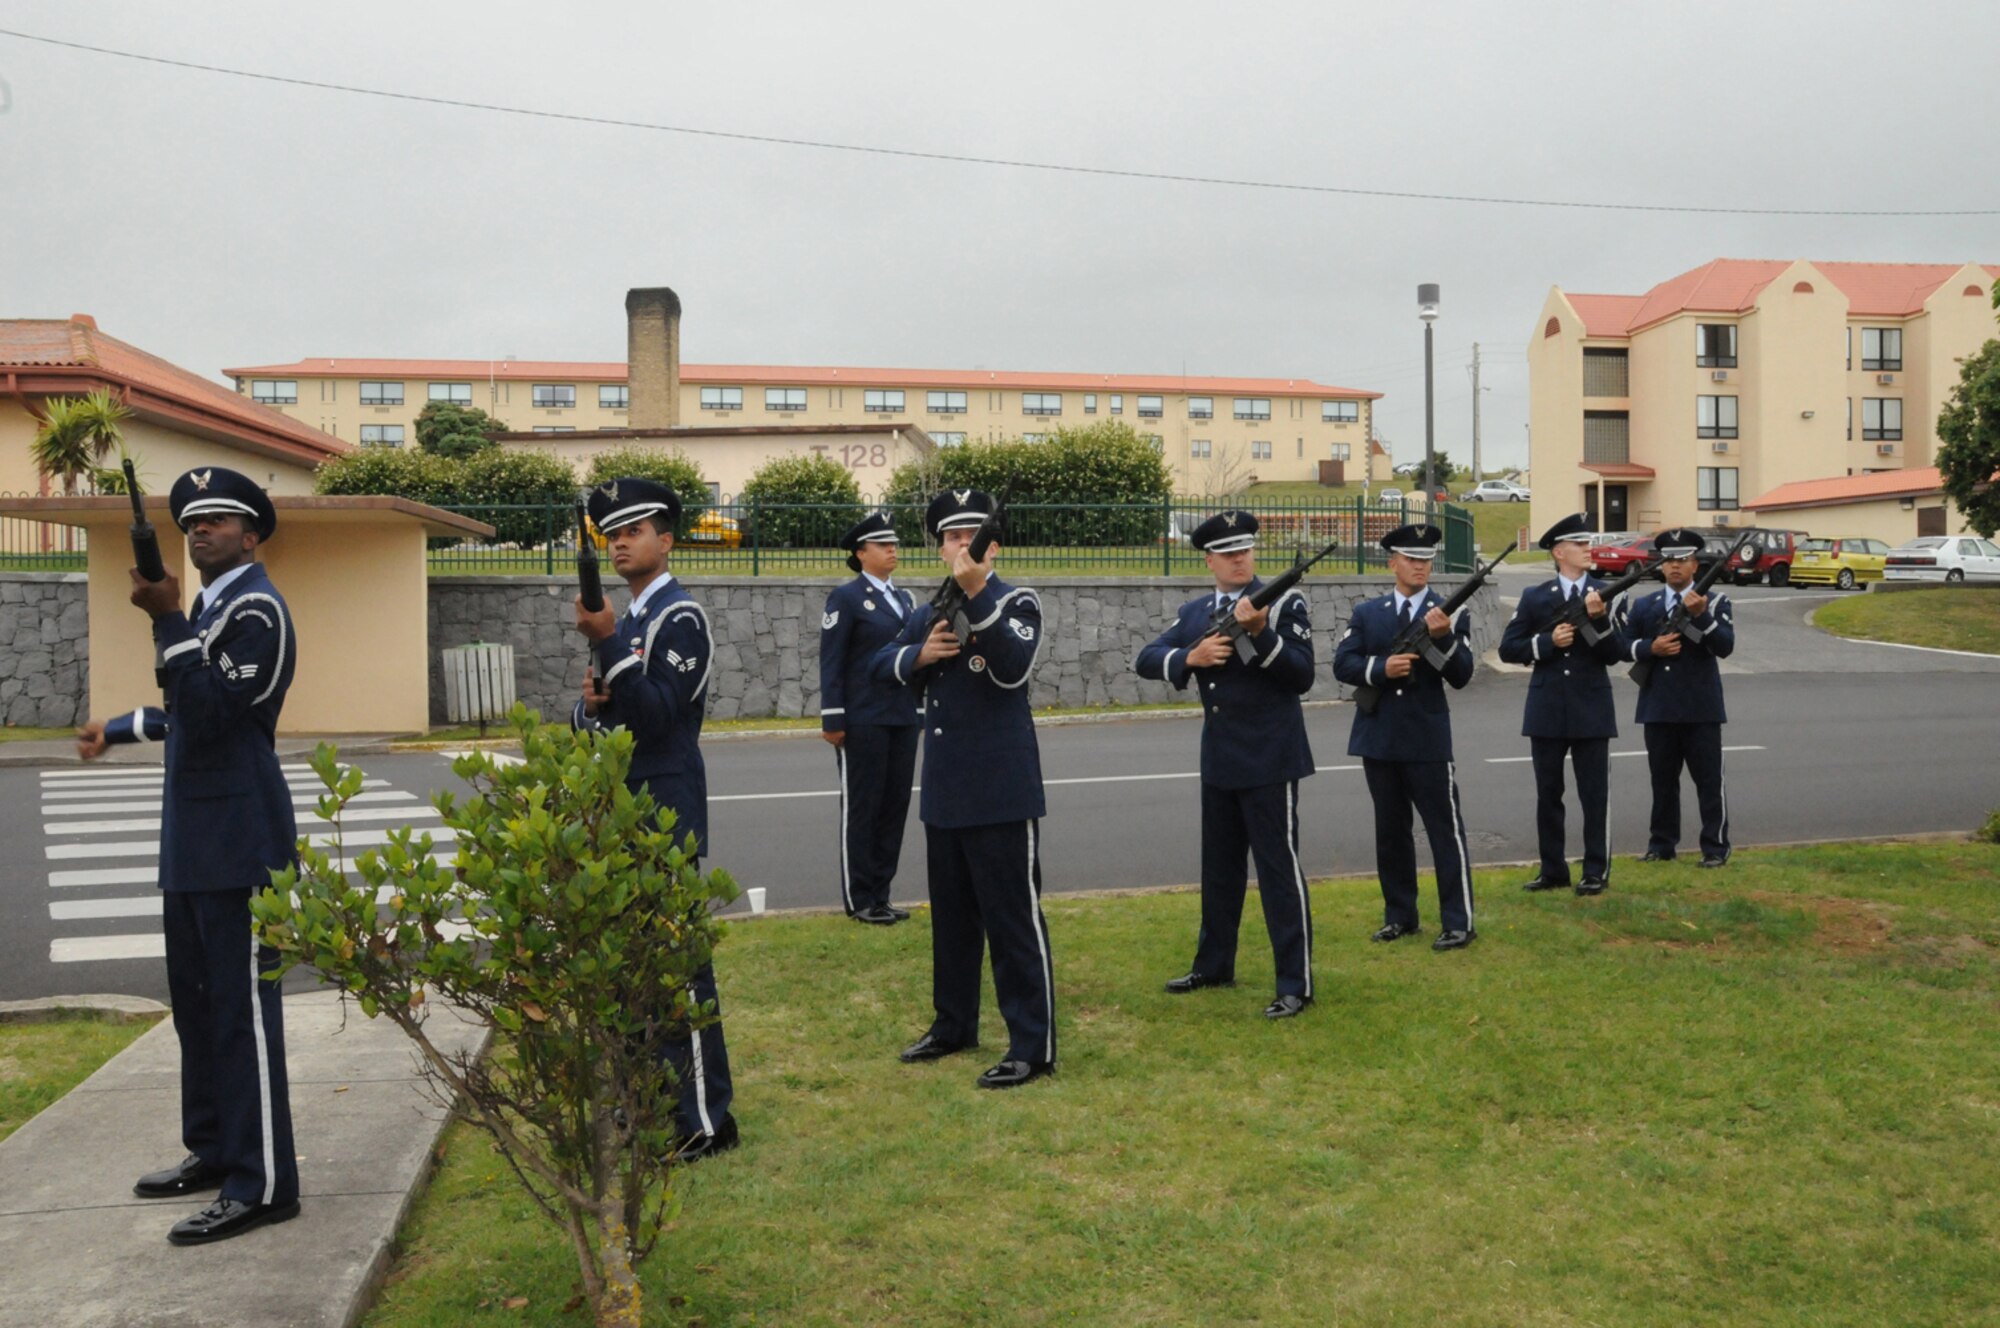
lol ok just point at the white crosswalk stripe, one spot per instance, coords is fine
(123, 789)
(153, 804)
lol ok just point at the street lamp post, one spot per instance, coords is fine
(1427, 310)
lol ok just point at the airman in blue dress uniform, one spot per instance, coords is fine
(226, 823)
(1405, 745)
(872, 723)
(1253, 755)
(1680, 702)
(982, 802)
(651, 676)
(1569, 711)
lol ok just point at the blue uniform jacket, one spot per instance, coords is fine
(226, 811)
(856, 625)
(1570, 693)
(982, 765)
(1252, 731)
(1413, 720)
(656, 667)
(1686, 688)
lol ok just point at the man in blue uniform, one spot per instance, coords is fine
(872, 724)
(1680, 702)
(651, 677)
(226, 824)
(1253, 755)
(1405, 744)
(982, 802)
(1569, 711)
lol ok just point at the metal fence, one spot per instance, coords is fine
(35, 546)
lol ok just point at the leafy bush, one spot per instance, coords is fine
(396, 471)
(674, 468)
(1990, 832)
(458, 432)
(804, 478)
(1112, 477)
(495, 478)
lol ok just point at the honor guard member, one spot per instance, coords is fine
(1405, 745)
(982, 802)
(1253, 755)
(225, 825)
(1680, 702)
(872, 724)
(1569, 711)
(651, 676)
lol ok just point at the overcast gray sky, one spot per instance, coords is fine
(219, 221)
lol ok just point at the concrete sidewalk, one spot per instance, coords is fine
(80, 1250)
(62, 751)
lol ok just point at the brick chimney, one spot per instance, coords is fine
(653, 357)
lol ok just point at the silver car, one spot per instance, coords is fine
(1949, 558)
(1495, 491)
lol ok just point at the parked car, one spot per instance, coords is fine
(1767, 556)
(712, 527)
(1389, 495)
(1948, 558)
(1615, 557)
(1839, 562)
(1495, 491)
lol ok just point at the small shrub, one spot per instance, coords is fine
(816, 501)
(669, 466)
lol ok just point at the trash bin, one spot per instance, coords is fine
(478, 683)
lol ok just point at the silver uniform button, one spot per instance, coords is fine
(937, 733)
(1399, 691)
(1565, 673)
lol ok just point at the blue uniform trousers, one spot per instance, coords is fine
(1430, 788)
(877, 765)
(700, 1063)
(1591, 759)
(235, 1103)
(986, 891)
(1699, 748)
(1237, 824)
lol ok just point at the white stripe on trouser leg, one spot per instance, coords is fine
(1042, 944)
(263, 1075)
(700, 1079)
(1458, 831)
(1722, 790)
(846, 880)
(1299, 880)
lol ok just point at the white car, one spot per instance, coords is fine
(1496, 491)
(1389, 495)
(1948, 558)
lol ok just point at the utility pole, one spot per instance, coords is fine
(1477, 473)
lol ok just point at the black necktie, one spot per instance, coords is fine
(895, 599)
(1408, 613)
(194, 614)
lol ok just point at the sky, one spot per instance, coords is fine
(216, 220)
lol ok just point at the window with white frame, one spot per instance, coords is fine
(381, 394)
(1339, 451)
(1339, 412)
(1715, 417)
(1201, 408)
(784, 398)
(557, 396)
(1034, 438)
(457, 394)
(614, 396)
(1041, 403)
(722, 398)
(945, 403)
(275, 391)
(1117, 403)
(1200, 447)
(555, 428)
(1253, 408)
(1715, 345)
(1151, 408)
(381, 435)
(1881, 419)
(1715, 488)
(948, 439)
(882, 401)
(1259, 451)
(1090, 403)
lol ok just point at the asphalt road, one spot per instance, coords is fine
(1827, 739)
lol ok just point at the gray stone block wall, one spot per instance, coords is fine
(44, 649)
(767, 636)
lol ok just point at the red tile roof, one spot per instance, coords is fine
(1620, 470)
(1920, 482)
(41, 357)
(1731, 286)
(515, 371)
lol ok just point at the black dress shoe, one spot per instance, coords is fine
(228, 1217)
(1544, 883)
(1593, 885)
(1715, 862)
(1395, 931)
(901, 914)
(1454, 940)
(1654, 855)
(192, 1176)
(1285, 1007)
(931, 1047)
(877, 917)
(694, 1147)
(1188, 982)
(1012, 1074)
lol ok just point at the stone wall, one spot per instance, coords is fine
(767, 636)
(44, 649)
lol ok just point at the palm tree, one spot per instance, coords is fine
(76, 435)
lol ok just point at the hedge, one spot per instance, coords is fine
(675, 469)
(1113, 476)
(792, 482)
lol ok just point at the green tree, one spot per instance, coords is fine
(1968, 428)
(567, 921)
(671, 467)
(526, 495)
(1098, 485)
(806, 500)
(397, 471)
(448, 430)
(75, 437)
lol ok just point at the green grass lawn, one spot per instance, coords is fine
(29, 733)
(1761, 1096)
(41, 1062)
(1952, 618)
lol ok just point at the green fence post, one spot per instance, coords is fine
(549, 538)
(1167, 533)
(1360, 534)
(756, 538)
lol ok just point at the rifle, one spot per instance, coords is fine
(1225, 623)
(948, 600)
(1411, 640)
(1677, 616)
(146, 555)
(589, 581)
(1577, 615)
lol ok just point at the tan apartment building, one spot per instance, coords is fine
(1682, 405)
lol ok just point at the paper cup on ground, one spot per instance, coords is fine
(755, 894)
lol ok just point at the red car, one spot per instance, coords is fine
(1768, 556)
(1614, 560)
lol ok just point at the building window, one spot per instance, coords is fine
(1715, 345)
(948, 439)
(722, 398)
(1339, 451)
(784, 398)
(1117, 403)
(883, 401)
(1882, 348)
(457, 394)
(1090, 403)
(1041, 403)
(1881, 419)
(1339, 412)
(1150, 408)
(1606, 372)
(1850, 419)
(1607, 437)
(555, 428)
(945, 403)
(275, 391)
(1715, 417)
(555, 396)
(1715, 488)
(1034, 438)
(1253, 408)
(1259, 451)
(614, 396)
(381, 394)
(1850, 348)
(1201, 408)
(1200, 447)
(381, 435)
(1155, 441)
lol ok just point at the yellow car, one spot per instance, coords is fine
(711, 527)
(1839, 562)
